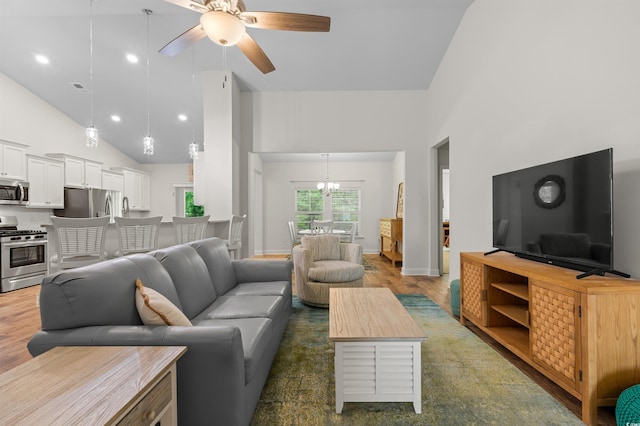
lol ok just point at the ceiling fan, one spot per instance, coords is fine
(225, 22)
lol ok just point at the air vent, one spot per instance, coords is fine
(80, 88)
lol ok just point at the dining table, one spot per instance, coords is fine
(310, 232)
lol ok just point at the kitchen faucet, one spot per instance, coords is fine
(125, 206)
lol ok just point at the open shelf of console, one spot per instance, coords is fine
(581, 334)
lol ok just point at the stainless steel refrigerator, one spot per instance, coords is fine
(88, 203)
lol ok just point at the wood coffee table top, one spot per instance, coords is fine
(369, 314)
(88, 385)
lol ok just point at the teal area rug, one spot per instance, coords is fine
(464, 381)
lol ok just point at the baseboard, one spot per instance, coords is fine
(420, 271)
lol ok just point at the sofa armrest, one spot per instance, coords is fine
(210, 375)
(351, 252)
(248, 271)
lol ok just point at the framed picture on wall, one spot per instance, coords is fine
(400, 205)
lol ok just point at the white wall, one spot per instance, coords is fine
(163, 197)
(27, 119)
(279, 207)
(353, 122)
(524, 83)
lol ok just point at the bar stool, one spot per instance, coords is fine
(80, 242)
(190, 228)
(137, 234)
(234, 242)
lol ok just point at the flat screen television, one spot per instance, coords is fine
(560, 213)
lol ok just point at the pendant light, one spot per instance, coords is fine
(326, 187)
(193, 146)
(148, 142)
(91, 132)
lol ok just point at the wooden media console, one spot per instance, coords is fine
(582, 334)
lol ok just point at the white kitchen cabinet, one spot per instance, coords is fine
(46, 182)
(13, 160)
(137, 188)
(80, 172)
(112, 181)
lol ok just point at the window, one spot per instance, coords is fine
(190, 209)
(309, 206)
(343, 207)
(184, 202)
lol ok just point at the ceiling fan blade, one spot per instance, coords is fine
(183, 41)
(286, 21)
(255, 54)
(189, 4)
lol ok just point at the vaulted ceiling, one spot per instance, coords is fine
(372, 45)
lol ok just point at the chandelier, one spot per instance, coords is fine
(326, 187)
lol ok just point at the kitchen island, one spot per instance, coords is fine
(166, 236)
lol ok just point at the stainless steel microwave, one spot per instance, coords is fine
(13, 192)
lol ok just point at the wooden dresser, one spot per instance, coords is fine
(93, 385)
(390, 237)
(581, 334)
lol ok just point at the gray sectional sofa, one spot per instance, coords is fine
(239, 310)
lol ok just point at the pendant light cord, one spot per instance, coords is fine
(193, 94)
(148, 12)
(91, 56)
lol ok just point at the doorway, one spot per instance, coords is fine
(443, 202)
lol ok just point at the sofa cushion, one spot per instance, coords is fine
(226, 307)
(335, 271)
(270, 288)
(255, 334)
(190, 275)
(99, 294)
(216, 256)
(322, 247)
(155, 309)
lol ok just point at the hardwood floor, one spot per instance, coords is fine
(20, 319)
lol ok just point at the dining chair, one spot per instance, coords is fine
(190, 228)
(321, 226)
(234, 241)
(80, 241)
(351, 236)
(137, 234)
(294, 238)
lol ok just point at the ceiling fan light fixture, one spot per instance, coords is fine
(222, 28)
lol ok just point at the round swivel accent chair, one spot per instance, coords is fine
(322, 262)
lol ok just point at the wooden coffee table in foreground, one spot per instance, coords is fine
(377, 347)
(93, 385)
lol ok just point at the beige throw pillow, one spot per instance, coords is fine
(155, 309)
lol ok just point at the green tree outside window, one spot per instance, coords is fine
(192, 210)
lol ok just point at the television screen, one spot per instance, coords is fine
(558, 213)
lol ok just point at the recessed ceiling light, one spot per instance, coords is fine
(132, 58)
(182, 117)
(42, 59)
(115, 118)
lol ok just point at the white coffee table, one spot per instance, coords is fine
(377, 347)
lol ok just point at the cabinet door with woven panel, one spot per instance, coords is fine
(473, 292)
(555, 331)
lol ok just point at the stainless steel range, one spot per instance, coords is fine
(23, 255)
